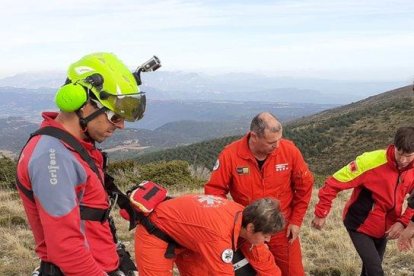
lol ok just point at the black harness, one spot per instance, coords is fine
(86, 212)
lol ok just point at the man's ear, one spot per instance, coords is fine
(250, 228)
(253, 135)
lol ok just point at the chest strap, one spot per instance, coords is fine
(113, 191)
(94, 214)
(86, 213)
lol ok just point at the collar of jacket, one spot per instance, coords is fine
(392, 162)
(237, 229)
(49, 120)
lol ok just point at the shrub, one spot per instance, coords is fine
(169, 174)
(173, 174)
(7, 173)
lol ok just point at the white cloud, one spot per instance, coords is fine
(316, 37)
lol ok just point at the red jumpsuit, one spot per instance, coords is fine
(61, 182)
(207, 229)
(284, 176)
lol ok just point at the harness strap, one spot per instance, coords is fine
(241, 265)
(73, 142)
(109, 185)
(94, 214)
(28, 193)
(122, 200)
(86, 213)
(154, 230)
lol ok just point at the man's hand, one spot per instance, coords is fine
(292, 232)
(405, 241)
(395, 231)
(318, 222)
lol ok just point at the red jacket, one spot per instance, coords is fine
(61, 181)
(379, 192)
(211, 227)
(284, 176)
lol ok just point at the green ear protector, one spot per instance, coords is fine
(73, 96)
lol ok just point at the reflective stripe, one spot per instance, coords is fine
(362, 164)
(240, 264)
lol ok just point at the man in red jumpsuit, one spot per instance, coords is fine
(263, 164)
(208, 230)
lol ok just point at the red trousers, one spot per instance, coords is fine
(288, 256)
(149, 256)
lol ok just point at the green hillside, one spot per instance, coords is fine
(329, 139)
(199, 154)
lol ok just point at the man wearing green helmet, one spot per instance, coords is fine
(60, 171)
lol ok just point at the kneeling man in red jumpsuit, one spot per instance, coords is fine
(208, 230)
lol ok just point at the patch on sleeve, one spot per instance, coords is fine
(227, 256)
(217, 165)
(353, 167)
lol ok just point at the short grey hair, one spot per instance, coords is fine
(259, 124)
(265, 215)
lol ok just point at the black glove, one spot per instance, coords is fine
(126, 265)
(410, 201)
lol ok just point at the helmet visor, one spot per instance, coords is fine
(131, 107)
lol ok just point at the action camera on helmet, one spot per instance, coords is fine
(151, 65)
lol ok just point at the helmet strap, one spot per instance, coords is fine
(84, 121)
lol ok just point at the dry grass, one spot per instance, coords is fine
(330, 251)
(326, 252)
(16, 249)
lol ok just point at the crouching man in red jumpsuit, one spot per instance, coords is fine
(208, 230)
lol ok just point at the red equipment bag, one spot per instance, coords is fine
(146, 196)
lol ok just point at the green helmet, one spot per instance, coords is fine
(111, 82)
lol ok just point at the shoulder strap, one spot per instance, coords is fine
(71, 141)
(108, 183)
(68, 139)
(25, 191)
(28, 193)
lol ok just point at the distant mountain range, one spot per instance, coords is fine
(29, 103)
(164, 85)
(329, 139)
(182, 108)
(166, 123)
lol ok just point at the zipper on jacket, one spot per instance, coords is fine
(256, 166)
(394, 199)
(261, 173)
(395, 190)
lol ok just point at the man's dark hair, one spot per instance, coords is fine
(404, 139)
(265, 215)
(259, 124)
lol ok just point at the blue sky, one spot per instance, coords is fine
(348, 40)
